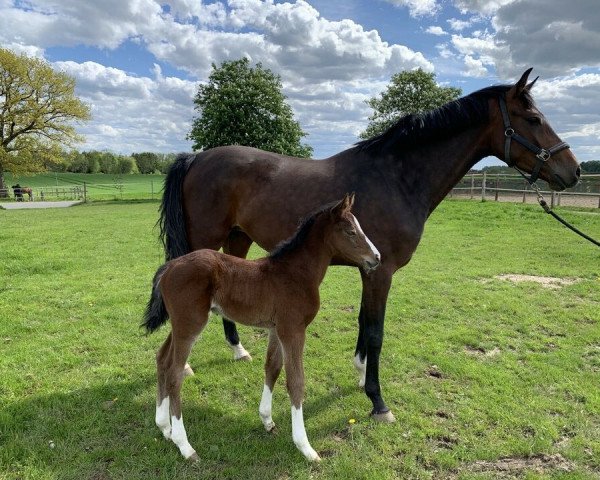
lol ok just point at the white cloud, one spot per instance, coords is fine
(475, 67)
(418, 8)
(132, 114)
(436, 30)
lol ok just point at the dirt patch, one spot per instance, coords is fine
(482, 352)
(510, 468)
(554, 283)
(539, 464)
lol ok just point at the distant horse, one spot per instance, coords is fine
(19, 191)
(230, 197)
(279, 292)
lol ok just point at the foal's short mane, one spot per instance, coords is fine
(417, 129)
(299, 237)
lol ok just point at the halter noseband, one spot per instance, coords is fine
(541, 154)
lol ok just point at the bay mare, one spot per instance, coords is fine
(229, 197)
(279, 292)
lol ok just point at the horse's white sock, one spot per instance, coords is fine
(179, 437)
(163, 419)
(240, 353)
(299, 435)
(264, 409)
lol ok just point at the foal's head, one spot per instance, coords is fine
(347, 240)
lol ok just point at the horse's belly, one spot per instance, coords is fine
(255, 316)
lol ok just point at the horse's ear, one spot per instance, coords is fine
(521, 85)
(531, 84)
(343, 205)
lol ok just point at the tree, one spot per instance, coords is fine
(37, 107)
(147, 162)
(408, 92)
(241, 105)
(591, 166)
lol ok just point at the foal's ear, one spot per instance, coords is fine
(344, 205)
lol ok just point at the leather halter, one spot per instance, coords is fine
(541, 154)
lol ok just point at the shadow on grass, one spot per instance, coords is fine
(108, 431)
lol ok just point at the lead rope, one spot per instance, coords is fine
(548, 210)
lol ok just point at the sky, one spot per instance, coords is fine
(138, 63)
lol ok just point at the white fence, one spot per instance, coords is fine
(513, 188)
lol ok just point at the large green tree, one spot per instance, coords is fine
(244, 105)
(408, 92)
(37, 109)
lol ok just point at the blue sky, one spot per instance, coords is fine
(138, 63)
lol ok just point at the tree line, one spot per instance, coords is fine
(94, 161)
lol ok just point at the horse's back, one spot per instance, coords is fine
(263, 193)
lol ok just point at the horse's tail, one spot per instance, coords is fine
(156, 313)
(172, 220)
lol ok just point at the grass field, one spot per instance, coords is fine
(487, 378)
(99, 186)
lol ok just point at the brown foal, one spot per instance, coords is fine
(279, 292)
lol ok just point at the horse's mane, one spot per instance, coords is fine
(417, 129)
(299, 237)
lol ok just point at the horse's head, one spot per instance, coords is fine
(524, 139)
(348, 241)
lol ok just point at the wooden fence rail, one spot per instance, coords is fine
(512, 188)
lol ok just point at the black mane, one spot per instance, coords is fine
(417, 129)
(299, 237)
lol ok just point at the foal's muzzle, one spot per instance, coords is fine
(371, 265)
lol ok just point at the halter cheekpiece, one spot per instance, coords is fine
(541, 154)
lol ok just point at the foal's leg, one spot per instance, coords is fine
(293, 349)
(237, 244)
(273, 365)
(174, 354)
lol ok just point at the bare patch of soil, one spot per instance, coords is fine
(482, 352)
(509, 468)
(554, 283)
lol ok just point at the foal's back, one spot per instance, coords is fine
(250, 292)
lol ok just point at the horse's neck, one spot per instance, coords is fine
(434, 169)
(308, 262)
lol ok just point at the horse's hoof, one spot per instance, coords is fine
(193, 458)
(187, 370)
(385, 417)
(240, 353)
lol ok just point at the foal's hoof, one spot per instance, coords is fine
(187, 370)
(384, 417)
(193, 458)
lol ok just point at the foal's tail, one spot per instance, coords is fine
(156, 313)
(172, 220)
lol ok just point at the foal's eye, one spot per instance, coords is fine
(535, 120)
(351, 233)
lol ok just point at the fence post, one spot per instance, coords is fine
(497, 182)
(524, 191)
(472, 185)
(483, 187)
(84, 192)
(152, 189)
(552, 199)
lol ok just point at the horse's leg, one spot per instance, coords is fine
(185, 330)
(292, 343)
(163, 416)
(376, 287)
(273, 364)
(237, 244)
(360, 354)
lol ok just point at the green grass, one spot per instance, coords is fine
(99, 186)
(517, 366)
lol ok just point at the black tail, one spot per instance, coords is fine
(172, 221)
(156, 313)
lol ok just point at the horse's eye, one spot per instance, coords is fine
(535, 120)
(351, 233)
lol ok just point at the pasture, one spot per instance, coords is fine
(487, 378)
